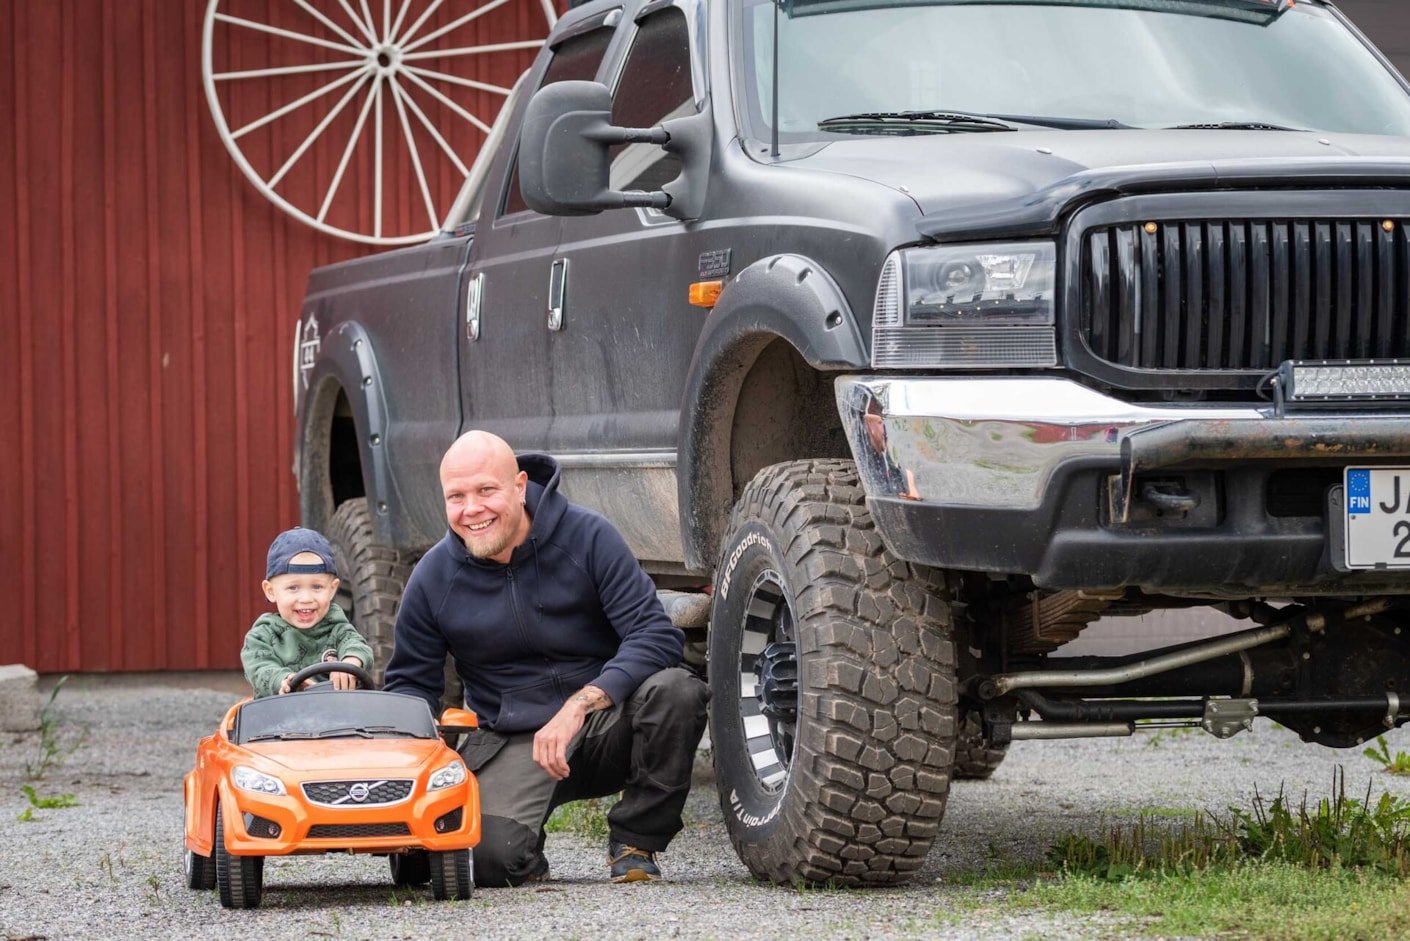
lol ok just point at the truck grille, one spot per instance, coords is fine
(1239, 294)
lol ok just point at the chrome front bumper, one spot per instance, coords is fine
(1039, 473)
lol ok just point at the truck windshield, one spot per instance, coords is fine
(1100, 63)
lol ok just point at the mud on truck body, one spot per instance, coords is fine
(926, 334)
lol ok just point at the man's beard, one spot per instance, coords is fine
(488, 549)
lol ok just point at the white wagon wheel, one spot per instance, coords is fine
(369, 85)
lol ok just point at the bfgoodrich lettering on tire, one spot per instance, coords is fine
(833, 677)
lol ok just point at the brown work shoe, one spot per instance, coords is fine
(630, 864)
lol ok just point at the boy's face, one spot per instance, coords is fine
(302, 600)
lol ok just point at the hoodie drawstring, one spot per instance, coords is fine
(538, 578)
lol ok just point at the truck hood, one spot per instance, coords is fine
(981, 178)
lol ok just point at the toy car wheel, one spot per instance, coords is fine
(450, 875)
(200, 870)
(240, 878)
(413, 868)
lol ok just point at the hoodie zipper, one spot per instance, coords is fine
(524, 632)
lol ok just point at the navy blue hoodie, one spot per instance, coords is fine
(571, 607)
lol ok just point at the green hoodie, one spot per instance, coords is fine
(274, 648)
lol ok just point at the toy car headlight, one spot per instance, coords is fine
(449, 776)
(248, 779)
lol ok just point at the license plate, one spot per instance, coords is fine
(1377, 517)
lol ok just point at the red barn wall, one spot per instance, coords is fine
(148, 296)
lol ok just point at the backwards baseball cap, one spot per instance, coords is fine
(290, 543)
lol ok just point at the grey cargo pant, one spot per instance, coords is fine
(643, 747)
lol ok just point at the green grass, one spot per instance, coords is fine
(582, 818)
(1277, 870)
(1245, 902)
(43, 803)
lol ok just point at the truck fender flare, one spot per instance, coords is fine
(346, 363)
(786, 297)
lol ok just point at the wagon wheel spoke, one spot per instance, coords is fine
(436, 94)
(362, 25)
(473, 15)
(288, 34)
(318, 15)
(431, 129)
(317, 132)
(405, 37)
(415, 153)
(401, 15)
(372, 99)
(457, 80)
(290, 70)
(293, 105)
(473, 50)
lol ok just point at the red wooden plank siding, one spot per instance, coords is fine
(148, 295)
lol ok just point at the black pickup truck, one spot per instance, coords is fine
(921, 334)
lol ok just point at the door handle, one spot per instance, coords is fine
(557, 293)
(473, 293)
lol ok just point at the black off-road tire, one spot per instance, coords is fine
(975, 758)
(240, 878)
(373, 577)
(450, 875)
(873, 743)
(410, 869)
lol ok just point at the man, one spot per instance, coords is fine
(566, 655)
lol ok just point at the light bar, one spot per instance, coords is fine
(1330, 382)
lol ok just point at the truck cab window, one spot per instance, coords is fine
(574, 60)
(654, 87)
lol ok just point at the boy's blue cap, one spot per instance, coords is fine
(290, 543)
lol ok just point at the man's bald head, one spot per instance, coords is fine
(479, 449)
(484, 493)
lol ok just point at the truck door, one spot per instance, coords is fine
(625, 332)
(506, 372)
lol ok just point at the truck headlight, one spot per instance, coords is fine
(248, 779)
(966, 306)
(449, 776)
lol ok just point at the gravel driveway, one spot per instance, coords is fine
(112, 864)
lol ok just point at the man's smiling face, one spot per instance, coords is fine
(484, 497)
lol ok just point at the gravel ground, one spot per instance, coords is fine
(112, 864)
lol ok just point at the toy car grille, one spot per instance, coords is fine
(349, 831)
(357, 793)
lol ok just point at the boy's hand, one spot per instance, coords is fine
(346, 680)
(284, 685)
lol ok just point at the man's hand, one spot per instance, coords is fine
(346, 680)
(551, 741)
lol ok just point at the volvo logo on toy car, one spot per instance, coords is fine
(359, 792)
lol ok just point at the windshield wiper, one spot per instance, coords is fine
(1067, 124)
(912, 122)
(363, 731)
(279, 736)
(1234, 126)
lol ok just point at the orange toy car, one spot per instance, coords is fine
(318, 771)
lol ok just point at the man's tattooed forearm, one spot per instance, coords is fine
(591, 699)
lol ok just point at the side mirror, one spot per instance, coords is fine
(455, 721)
(565, 152)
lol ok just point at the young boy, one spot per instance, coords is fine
(300, 578)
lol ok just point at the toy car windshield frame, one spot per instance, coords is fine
(320, 714)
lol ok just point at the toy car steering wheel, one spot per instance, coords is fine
(364, 679)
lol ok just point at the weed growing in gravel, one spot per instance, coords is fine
(1399, 763)
(583, 818)
(43, 803)
(53, 748)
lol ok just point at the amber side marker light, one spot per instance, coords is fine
(705, 293)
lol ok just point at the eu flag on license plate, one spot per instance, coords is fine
(1358, 492)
